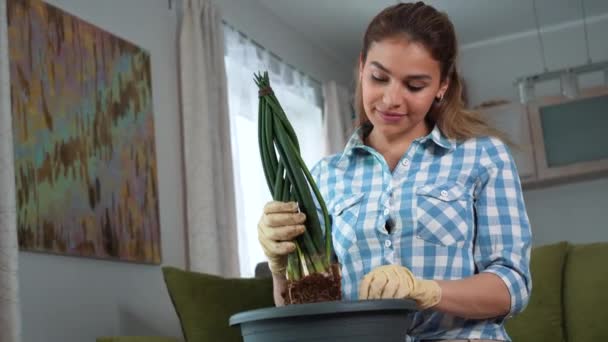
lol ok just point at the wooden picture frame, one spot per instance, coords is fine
(544, 170)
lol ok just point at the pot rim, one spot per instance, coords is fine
(323, 308)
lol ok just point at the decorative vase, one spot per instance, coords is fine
(384, 320)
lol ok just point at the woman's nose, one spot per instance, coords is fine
(392, 96)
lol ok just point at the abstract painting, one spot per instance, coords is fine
(83, 133)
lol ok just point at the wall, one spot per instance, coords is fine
(67, 299)
(75, 299)
(576, 211)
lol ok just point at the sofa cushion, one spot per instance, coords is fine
(542, 319)
(204, 303)
(585, 293)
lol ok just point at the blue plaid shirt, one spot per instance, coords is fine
(454, 209)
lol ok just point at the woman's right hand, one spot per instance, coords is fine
(279, 225)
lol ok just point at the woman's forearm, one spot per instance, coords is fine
(481, 296)
(279, 286)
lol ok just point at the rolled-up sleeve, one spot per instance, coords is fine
(503, 236)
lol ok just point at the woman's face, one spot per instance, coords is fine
(399, 82)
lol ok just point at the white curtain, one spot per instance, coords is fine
(339, 120)
(210, 203)
(10, 325)
(300, 97)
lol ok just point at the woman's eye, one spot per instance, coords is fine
(378, 79)
(414, 89)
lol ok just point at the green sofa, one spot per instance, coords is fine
(569, 302)
(204, 303)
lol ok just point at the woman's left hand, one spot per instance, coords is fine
(395, 281)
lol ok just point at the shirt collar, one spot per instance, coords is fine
(355, 141)
(440, 139)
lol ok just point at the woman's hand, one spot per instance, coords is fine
(279, 225)
(395, 281)
(481, 296)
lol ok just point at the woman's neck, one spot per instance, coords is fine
(393, 147)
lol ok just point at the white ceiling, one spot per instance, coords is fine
(337, 26)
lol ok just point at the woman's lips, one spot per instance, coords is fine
(390, 116)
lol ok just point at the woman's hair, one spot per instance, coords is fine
(423, 24)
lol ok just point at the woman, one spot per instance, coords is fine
(425, 200)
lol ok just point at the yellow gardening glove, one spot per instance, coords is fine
(395, 281)
(280, 224)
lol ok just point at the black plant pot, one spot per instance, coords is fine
(352, 321)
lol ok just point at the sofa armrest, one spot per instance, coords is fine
(137, 339)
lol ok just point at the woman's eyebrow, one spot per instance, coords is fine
(409, 77)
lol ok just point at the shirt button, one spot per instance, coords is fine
(386, 211)
(387, 243)
(405, 162)
(444, 193)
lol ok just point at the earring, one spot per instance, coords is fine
(439, 99)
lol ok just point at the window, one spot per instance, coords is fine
(300, 97)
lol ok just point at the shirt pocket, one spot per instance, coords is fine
(444, 214)
(345, 216)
